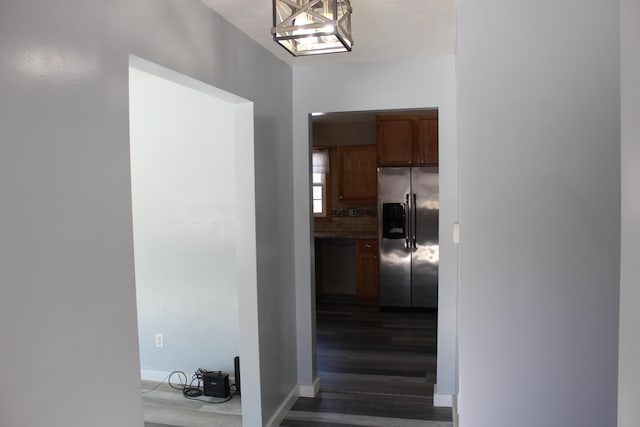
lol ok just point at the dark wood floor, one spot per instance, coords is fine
(375, 368)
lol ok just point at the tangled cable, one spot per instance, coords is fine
(190, 391)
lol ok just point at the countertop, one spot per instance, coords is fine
(346, 235)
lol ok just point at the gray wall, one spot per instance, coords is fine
(629, 370)
(539, 187)
(67, 310)
(401, 84)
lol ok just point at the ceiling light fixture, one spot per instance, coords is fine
(311, 27)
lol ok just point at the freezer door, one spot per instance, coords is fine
(394, 198)
(425, 242)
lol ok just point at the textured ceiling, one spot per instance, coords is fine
(382, 29)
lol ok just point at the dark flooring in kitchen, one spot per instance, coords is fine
(375, 368)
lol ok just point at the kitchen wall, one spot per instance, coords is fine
(539, 149)
(336, 131)
(629, 370)
(68, 305)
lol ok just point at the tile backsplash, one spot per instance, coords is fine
(362, 218)
(348, 224)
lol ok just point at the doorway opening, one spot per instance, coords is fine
(374, 348)
(192, 201)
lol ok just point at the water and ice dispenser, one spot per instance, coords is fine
(394, 221)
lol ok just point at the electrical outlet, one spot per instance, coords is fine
(159, 340)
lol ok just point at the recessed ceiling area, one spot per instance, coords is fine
(382, 29)
(358, 116)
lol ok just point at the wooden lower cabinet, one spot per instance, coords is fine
(367, 269)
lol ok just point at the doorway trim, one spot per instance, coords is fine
(246, 268)
(416, 83)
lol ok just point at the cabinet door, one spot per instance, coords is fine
(367, 271)
(358, 177)
(425, 146)
(394, 141)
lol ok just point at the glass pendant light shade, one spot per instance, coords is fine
(311, 27)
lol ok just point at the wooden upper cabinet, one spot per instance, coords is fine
(407, 139)
(358, 180)
(394, 139)
(425, 147)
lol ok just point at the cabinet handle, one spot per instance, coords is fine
(368, 246)
(422, 162)
(375, 257)
(341, 197)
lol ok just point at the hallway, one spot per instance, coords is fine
(375, 368)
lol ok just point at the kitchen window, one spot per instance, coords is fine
(319, 191)
(320, 177)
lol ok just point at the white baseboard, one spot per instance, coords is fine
(456, 411)
(283, 409)
(310, 390)
(442, 399)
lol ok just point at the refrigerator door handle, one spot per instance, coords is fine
(415, 221)
(407, 219)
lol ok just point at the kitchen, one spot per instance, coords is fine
(354, 154)
(375, 191)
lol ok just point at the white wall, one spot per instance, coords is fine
(629, 369)
(185, 223)
(416, 83)
(538, 104)
(67, 305)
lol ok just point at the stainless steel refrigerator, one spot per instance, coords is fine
(408, 209)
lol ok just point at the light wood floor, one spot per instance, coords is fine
(168, 407)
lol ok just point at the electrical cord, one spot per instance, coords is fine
(189, 391)
(158, 385)
(167, 380)
(210, 401)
